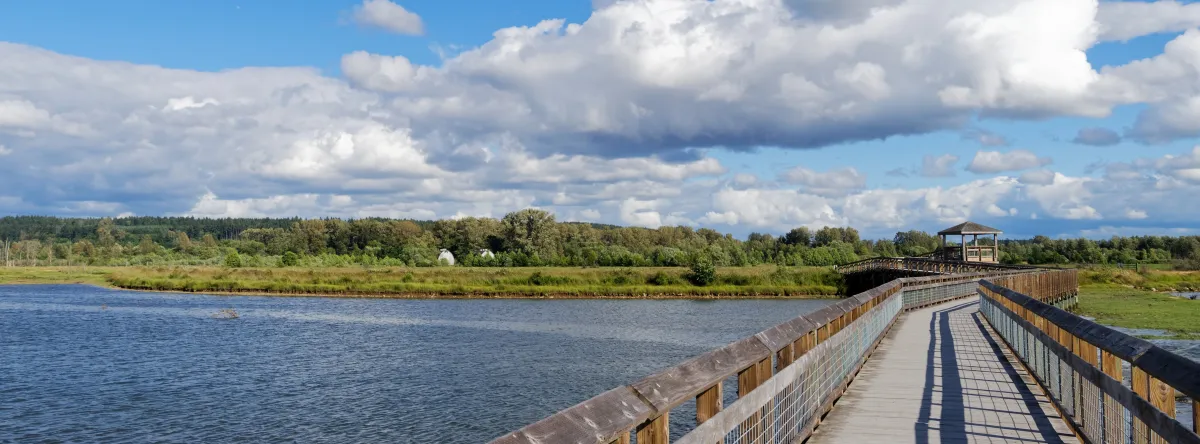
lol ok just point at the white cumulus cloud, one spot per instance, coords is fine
(997, 161)
(1123, 20)
(611, 119)
(938, 166)
(830, 183)
(388, 16)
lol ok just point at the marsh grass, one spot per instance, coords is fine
(1132, 308)
(762, 281)
(1154, 280)
(54, 275)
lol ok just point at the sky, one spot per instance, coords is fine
(1058, 117)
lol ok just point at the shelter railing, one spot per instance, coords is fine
(1111, 387)
(925, 265)
(788, 376)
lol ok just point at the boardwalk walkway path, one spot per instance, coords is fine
(943, 376)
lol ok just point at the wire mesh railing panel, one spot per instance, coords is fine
(1087, 383)
(786, 407)
(928, 295)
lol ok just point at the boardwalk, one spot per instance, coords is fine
(918, 359)
(942, 376)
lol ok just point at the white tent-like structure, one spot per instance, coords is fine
(486, 253)
(447, 256)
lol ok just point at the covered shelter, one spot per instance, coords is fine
(971, 251)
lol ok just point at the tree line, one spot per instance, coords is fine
(527, 237)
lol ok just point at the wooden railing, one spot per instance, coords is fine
(1081, 365)
(925, 265)
(788, 376)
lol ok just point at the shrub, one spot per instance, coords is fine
(233, 260)
(623, 276)
(703, 273)
(662, 278)
(738, 279)
(289, 259)
(537, 278)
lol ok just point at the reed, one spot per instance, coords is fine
(462, 282)
(54, 275)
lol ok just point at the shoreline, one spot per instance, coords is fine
(436, 296)
(414, 284)
(514, 296)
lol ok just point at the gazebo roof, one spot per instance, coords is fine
(970, 228)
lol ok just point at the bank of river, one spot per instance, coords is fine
(450, 282)
(89, 364)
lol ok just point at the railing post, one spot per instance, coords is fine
(1114, 420)
(784, 357)
(1162, 397)
(708, 403)
(1087, 351)
(1141, 387)
(1196, 416)
(748, 380)
(655, 431)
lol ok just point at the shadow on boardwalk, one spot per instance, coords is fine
(977, 363)
(942, 377)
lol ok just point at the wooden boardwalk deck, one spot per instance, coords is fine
(942, 376)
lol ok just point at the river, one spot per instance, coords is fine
(86, 364)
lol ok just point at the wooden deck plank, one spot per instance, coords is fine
(942, 376)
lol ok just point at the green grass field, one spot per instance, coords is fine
(1132, 308)
(55, 275)
(448, 282)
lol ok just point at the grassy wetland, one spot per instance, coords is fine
(1123, 298)
(1117, 297)
(450, 282)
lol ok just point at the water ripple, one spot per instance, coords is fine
(85, 364)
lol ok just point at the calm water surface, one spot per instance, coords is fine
(84, 364)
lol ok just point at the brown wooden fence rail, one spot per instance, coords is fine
(788, 376)
(1082, 366)
(925, 265)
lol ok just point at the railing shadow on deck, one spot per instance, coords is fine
(943, 348)
(789, 376)
(948, 392)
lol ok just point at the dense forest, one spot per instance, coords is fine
(523, 238)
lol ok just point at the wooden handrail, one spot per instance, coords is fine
(1179, 372)
(646, 404)
(1075, 352)
(919, 264)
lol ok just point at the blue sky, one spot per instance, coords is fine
(754, 115)
(228, 34)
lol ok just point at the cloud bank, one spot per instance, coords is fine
(609, 120)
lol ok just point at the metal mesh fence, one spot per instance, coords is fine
(787, 406)
(1097, 414)
(929, 295)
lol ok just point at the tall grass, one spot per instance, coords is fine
(763, 281)
(1146, 280)
(54, 275)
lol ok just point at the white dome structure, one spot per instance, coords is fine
(447, 256)
(486, 253)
